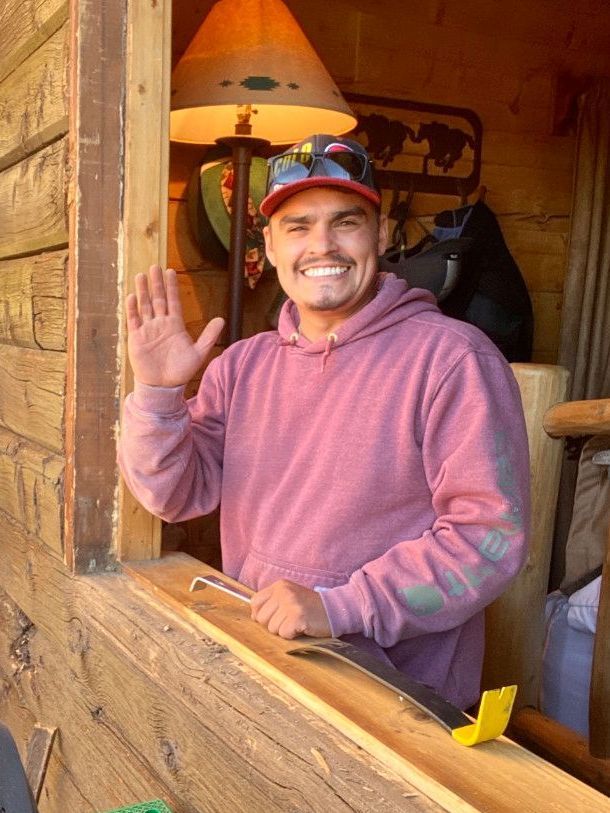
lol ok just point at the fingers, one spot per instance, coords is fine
(174, 306)
(159, 298)
(143, 297)
(156, 295)
(210, 335)
(279, 621)
(133, 315)
(275, 608)
(263, 606)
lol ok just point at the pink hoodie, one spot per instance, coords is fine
(387, 467)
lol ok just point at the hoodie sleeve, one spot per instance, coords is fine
(476, 461)
(170, 450)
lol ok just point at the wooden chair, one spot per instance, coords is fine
(515, 623)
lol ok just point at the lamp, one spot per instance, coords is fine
(248, 79)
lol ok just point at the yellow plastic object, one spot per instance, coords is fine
(494, 714)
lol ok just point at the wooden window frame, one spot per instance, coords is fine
(119, 167)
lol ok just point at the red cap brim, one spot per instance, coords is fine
(274, 199)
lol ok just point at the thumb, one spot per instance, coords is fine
(209, 335)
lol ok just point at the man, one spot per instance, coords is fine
(370, 456)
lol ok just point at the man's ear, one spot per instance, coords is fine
(383, 234)
(269, 244)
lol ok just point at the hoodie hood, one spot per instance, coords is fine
(394, 302)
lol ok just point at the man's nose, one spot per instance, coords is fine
(322, 239)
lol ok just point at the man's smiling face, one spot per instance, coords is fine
(325, 244)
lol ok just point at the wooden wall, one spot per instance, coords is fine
(33, 260)
(503, 61)
(146, 707)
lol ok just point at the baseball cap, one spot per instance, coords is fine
(320, 160)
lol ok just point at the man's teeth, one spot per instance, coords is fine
(328, 271)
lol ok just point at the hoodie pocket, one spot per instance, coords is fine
(258, 571)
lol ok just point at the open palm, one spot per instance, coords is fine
(161, 351)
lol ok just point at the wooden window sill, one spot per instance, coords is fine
(493, 777)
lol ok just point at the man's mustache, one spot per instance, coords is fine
(327, 259)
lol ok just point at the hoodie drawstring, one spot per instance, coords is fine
(330, 340)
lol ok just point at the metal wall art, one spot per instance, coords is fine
(419, 147)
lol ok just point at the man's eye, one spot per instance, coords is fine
(295, 228)
(347, 222)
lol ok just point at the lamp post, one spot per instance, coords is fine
(242, 148)
(248, 79)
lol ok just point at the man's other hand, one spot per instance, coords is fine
(288, 610)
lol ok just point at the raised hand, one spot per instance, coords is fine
(160, 350)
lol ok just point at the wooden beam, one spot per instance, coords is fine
(147, 706)
(34, 214)
(514, 640)
(599, 696)
(578, 418)
(148, 57)
(562, 746)
(398, 735)
(24, 26)
(33, 301)
(33, 101)
(97, 111)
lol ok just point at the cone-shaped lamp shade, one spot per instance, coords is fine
(252, 52)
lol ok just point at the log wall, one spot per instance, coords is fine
(34, 43)
(148, 708)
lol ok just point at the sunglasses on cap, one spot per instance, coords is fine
(337, 161)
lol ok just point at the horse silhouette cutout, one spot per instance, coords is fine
(446, 144)
(386, 137)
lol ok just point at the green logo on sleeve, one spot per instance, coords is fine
(423, 599)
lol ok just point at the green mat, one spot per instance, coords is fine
(156, 806)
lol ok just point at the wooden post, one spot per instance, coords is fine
(515, 622)
(599, 693)
(144, 234)
(97, 86)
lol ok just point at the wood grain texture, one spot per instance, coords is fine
(145, 223)
(564, 747)
(577, 418)
(24, 26)
(33, 101)
(547, 321)
(97, 121)
(455, 777)
(34, 214)
(146, 706)
(33, 301)
(39, 751)
(31, 488)
(514, 640)
(32, 387)
(599, 697)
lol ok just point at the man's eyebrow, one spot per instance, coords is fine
(294, 219)
(353, 210)
(302, 219)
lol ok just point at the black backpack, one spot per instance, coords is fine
(473, 275)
